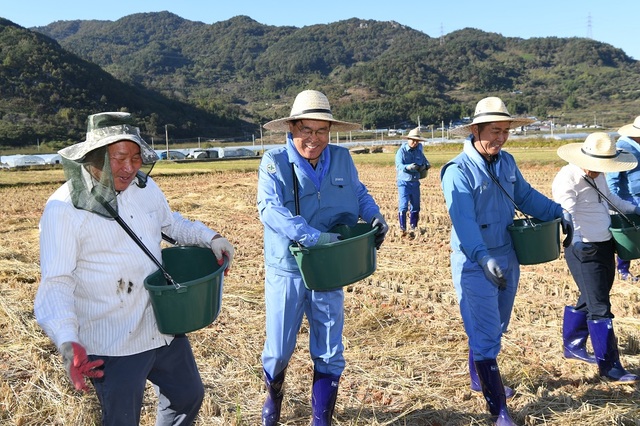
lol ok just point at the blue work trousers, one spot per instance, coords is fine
(486, 311)
(408, 196)
(174, 374)
(286, 301)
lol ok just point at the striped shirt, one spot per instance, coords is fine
(92, 273)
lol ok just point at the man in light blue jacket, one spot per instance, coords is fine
(626, 185)
(304, 190)
(482, 187)
(411, 166)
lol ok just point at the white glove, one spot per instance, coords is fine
(328, 238)
(221, 246)
(412, 167)
(493, 272)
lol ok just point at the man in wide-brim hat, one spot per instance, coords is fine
(92, 301)
(482, 188)
(304, 190)
(491, 110)
(626, 184)
(411, 166)
(580, 187)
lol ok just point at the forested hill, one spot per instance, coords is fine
(46, 93)
(377, 73)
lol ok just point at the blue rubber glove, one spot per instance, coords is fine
(637, 211)
(583, 250)
(379, 222)
(328, 238)
(567, 228)
(493, 272)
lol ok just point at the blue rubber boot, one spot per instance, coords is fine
(273, 403)
(493, 391)
(574, 336)
(475, 382)
(414, 217)
(622, 266)
(323, 398)
(605, 346)
(402, 218)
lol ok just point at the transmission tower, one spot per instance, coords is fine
(441, 34)
(589, 32)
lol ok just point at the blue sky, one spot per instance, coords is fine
(614, 22)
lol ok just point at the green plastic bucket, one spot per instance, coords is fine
(335, 265)
(535, 244)
(626, 236)
(195, 301)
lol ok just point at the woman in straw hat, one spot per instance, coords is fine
(304, 190)
(580, 187)
(626, 184)
(91, 300)
(411, 165)
(482, 187)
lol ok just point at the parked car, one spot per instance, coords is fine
(173, 155)
(204, 153)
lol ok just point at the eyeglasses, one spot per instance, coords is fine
(308, 131)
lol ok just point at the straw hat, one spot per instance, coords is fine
(597, 153)
(415, 135)
(310, 105)
(104, 129)
(489, 110)
(631, 130)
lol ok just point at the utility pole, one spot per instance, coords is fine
(166, 138)
(261, 140)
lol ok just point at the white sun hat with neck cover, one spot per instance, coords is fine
(106, 128)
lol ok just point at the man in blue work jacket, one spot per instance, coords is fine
(411, 166)
(304, 190)
(482, 187)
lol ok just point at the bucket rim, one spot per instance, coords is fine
(168, 287)
(296, 249)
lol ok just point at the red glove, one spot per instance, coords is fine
(78, 365)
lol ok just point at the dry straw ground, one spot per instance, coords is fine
(405, 347)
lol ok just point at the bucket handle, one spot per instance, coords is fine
(593, 185)
(137, 240)
(526, 217)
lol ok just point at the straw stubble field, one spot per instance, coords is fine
(405, 347)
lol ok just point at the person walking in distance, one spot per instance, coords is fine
(411, 166)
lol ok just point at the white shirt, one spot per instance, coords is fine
(589, 210)
(92, 285)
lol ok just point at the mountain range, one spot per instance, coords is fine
(223, 80)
